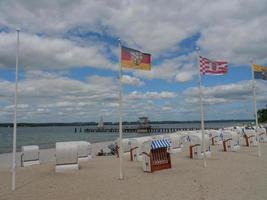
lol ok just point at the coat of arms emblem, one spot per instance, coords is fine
(136, 57)
(213, 65)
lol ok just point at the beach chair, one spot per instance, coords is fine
(155, 155)
(66, 156)
(84, 150)
(214, 136)
(30, 155)
(126, 146)
(262, 134)
(135, 150)
(175, 142)
(250, 137)
(195, 149)
(231, 141)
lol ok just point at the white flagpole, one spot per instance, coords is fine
(255, 108)
(15, 117)
(120, 114)
(201, 112)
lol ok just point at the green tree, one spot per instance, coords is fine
(262, 115)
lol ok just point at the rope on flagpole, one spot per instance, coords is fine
(15, 117)
(255, 108)
(201, 111)
(120, 114)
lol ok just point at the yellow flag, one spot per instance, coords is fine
(258, 68)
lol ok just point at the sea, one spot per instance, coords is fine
(47, 136)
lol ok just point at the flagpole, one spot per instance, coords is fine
(255, 108)
(201, 112)
(120, 114)
(15, 117)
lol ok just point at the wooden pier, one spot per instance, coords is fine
(136, 130)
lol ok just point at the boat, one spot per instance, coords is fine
(100, 124)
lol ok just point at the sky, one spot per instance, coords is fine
(68, 66)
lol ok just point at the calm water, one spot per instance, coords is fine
(46, 137)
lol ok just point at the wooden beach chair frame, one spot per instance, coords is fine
(226, 144)
(262, 137)
(213, 140)
(192, 152)
(131, 153)
(247, 139)
(159, 159)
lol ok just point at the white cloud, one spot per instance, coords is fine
(43, 98)
(229, 30)
(151, 95)
(41, 52)
(51, 97)
(234, 31)
(179, 69)
(130, 80)
(241, 91)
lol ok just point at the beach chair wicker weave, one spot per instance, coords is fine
(155, 155)
(30, 155)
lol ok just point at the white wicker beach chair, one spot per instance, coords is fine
(66, 156)
(175, 141)
(214, 136)
(155, 155)
(195, 149)
(126, 146)
(30, 155)
(250, 136)
(231, 140)
(262, 134)
(135, 151)
(84, 150)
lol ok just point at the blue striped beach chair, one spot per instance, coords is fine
(155, 155)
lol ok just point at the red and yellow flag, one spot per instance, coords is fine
(131, 58)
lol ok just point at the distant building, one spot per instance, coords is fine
(144, 125)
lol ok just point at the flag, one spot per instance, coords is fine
(131, 58)
(260, 72)
(209, 67)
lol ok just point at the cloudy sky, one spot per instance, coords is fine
(69, 58)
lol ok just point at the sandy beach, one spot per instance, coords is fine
(229, 175)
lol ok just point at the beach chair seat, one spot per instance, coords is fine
(66, 156)
(84, 150)
(262, 134)
(262, 138)
(126, 146)
(250, 137)
(155, 155)
(195, 149)
(230, 141)
(30, 155)
(175, 142)
(135, 148)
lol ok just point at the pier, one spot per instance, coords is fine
(137, 130)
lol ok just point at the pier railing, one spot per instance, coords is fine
(137, 130)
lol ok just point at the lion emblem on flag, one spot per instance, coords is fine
(136, 57)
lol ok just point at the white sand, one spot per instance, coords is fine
(228, 176)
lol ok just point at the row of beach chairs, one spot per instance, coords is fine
(68, 155)
(154, 152)
(156, 157)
